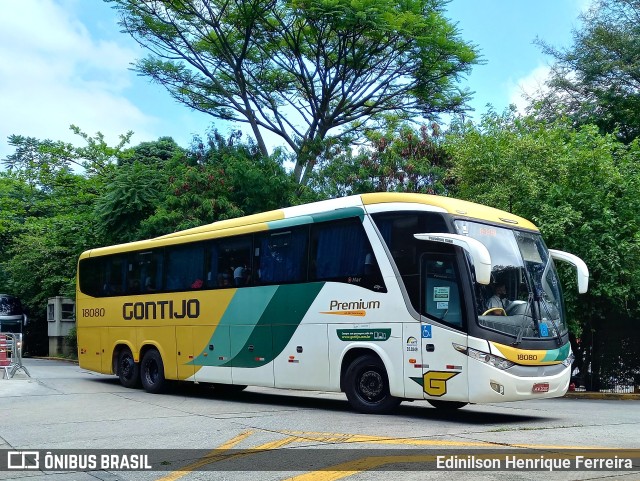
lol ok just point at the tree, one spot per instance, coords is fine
(581, 188)
(46, 219)
(400, 159)
(220, 178)
(303, 70)
(597, 79)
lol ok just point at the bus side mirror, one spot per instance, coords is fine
(476, 249)
(583, 270)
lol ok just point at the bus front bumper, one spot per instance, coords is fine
(488, 384)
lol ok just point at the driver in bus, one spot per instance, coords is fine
(499, 299)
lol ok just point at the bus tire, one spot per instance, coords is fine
(446, 405)
(152, 372)
(128, 369)
(367, 386)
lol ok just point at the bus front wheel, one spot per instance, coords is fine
(152, 372)
(367, 386)
(128, 370)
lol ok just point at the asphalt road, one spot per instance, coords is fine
(62, 407)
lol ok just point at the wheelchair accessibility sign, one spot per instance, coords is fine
(426, 331)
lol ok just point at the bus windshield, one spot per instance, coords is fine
(524, 299)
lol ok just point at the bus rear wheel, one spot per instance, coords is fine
(367, 386)
(128, 369)
(152, 372)
(446, 405)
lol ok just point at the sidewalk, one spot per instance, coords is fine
(612, 396)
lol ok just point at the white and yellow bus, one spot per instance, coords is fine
(382, 296)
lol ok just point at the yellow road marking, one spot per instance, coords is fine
(348, 468)
(359, 438)
(213, 456)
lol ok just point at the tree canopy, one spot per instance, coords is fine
(302, 70)
(597, 79)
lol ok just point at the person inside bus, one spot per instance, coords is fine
(499, 299)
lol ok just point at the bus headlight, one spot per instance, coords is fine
(494, 361)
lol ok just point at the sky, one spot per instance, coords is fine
(66, 62)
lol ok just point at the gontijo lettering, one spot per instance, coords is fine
(189, 308)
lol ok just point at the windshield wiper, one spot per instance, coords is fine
(523, 326)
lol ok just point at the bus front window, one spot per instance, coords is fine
(524, 298)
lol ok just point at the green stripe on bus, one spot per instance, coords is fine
(279, 321)
(557, 354)
(245, 309)
(336, 214)
(259, 323)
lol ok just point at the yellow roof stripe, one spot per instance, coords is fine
(453, 206)
(229, 223)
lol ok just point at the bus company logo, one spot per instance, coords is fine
(351, 308)
(189, 308)
(23, 460)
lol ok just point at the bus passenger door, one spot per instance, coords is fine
(444, 373)
(304, 360)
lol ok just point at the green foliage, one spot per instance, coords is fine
(400, 159)
(46, 219)
(219, 179)
(131, 196)
(71, 341)
(597, 80)
(308, 71)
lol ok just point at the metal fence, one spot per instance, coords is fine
(11, 355)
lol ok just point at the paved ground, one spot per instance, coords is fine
(64, 407)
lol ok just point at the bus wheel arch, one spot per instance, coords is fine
(152, 370)
(365, 381)
(125, 367)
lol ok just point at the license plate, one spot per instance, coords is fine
(541, 387)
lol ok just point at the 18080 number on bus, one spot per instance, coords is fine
(97, 312)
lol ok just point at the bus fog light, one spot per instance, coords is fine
(499, 388)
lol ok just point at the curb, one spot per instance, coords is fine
(603, 395)
(50, 358)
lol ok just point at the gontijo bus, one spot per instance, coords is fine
(382, 296)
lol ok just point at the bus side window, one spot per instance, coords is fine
(341, 252)
(184, 267)
(283, 256)
(234, 262)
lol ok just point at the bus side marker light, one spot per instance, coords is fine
(412, 361)
(497, 387)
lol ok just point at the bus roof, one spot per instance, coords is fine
(323, 209)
